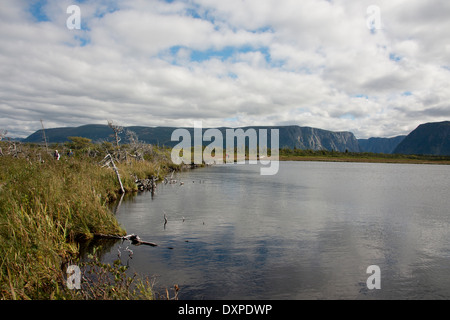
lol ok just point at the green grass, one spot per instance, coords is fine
(287, 154)
(46, 207)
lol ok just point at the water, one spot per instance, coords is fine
(309, 232)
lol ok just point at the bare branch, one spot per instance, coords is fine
(117, 130)
(3, 134)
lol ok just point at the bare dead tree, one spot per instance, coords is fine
(14, 148)
(45, 138)
(3, 133)
(117, 131)
(106, 162)
(132, 137)
(135, 145)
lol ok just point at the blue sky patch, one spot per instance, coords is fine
(108, 9)
(222, 54)
(37, 10)
(83, 41)
(193, 13)
(347, 116)
(394, 57)
(233, 119)
(361, 96)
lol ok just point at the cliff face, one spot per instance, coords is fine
(428, 139)
(317, 139)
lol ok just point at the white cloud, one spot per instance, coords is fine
(256, 62)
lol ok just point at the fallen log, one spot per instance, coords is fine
(131, 237)
(137, 241)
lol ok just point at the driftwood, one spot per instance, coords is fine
(131, 237)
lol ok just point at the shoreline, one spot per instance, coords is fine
(365, 160)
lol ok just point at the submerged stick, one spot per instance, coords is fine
(132, 237)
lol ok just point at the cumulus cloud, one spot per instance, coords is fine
(228, 63)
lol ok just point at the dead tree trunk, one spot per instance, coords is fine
(107, 160)
(117, 130)
(45, 138)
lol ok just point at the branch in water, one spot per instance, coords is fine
(131, 237)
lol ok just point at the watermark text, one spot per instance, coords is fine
(374, 281)
(214, 153)
(74, 20)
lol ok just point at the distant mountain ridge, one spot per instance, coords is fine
(290, 136)
(380, 145)
(427, 139)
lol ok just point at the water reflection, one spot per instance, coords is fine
(311, 231)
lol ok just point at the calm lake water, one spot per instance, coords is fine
(309, 232)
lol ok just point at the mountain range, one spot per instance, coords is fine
(380, 145)
(430, 138)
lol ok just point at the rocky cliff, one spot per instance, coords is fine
(317, 139)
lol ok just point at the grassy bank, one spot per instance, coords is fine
(47, 205)
(334, 156)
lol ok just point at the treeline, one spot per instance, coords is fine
(292, 153)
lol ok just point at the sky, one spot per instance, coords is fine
(375, 68)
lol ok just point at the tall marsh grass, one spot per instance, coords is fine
(45, 207)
